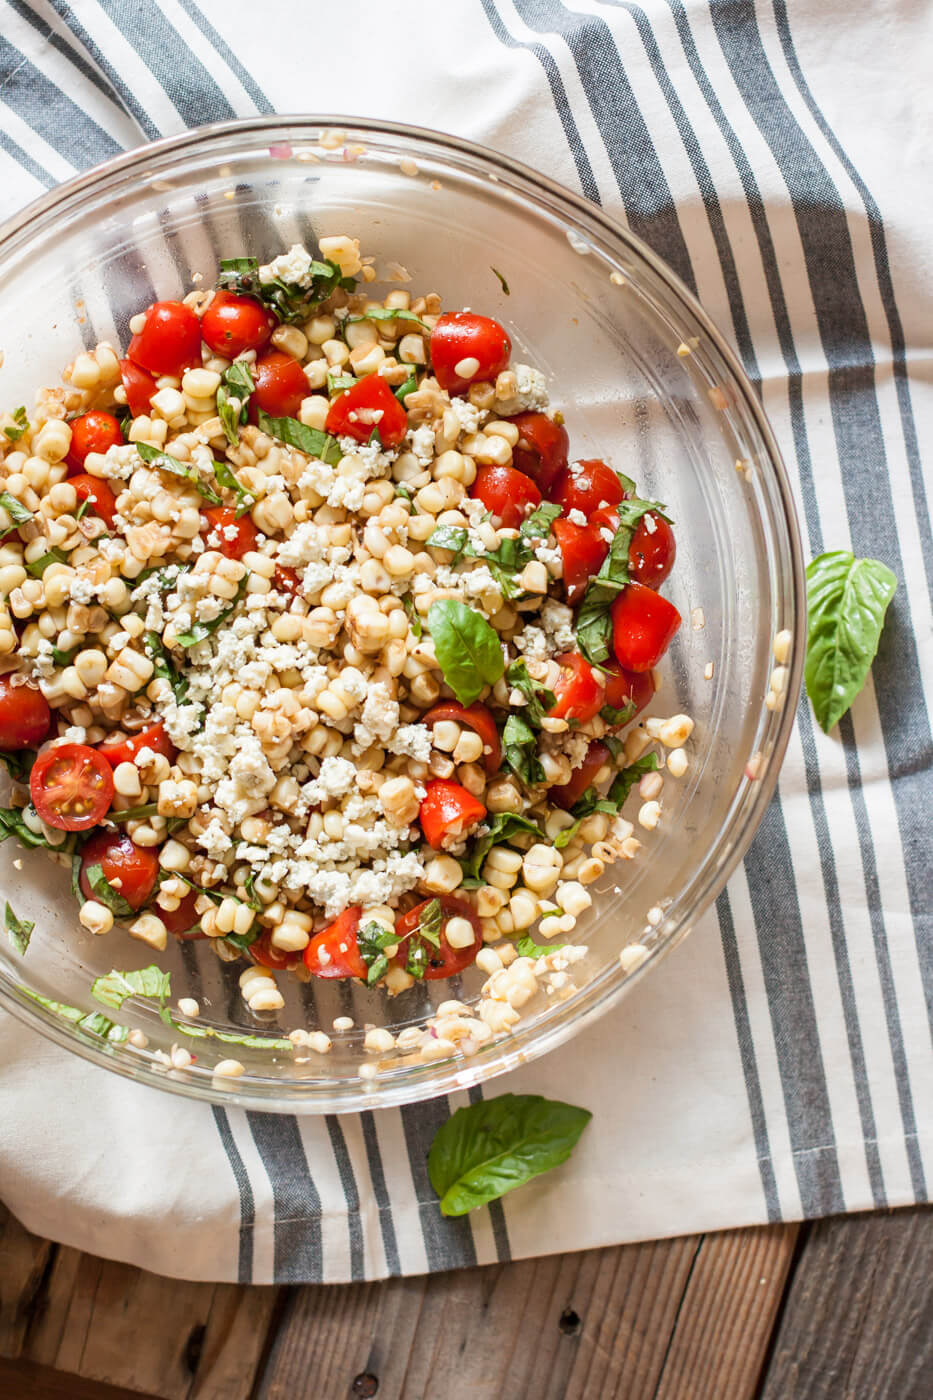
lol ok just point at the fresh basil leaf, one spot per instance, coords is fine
(83, 508)
(311, 441)
(164, 667)
(154, 457)
(406, 495)
(114, 989)
(134, 814)
(453, 538)
(540, 700)
(526, 947)
(414, 617)
(289, 301)
(537, 525)
(847, 599)
(409, 386)
(253, 1042)
(18, 764)
(623, 783)
(372, 940)
(336, 383)
(106, 894)
(19, 930)
(12, 823)
(467, 648)
(64, 658)
(416, 960)
(520, 750)
(594, 625)
(243, 940)
(429, 924)
(494, 1145)
(502, 282)
(613, 716)
(15, 509)
(232, 398)
(38, 566)
(200, 630)
(67, 1013)
(501, 828)
(252, 899)
(227, 479)
(21, 422)
(240, 266)
(386, 313)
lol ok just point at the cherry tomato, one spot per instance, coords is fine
(139, 385)
(476, 717)
(131, 869)
(627, 687)
(285, 580)
(643, 625)
(447, 811)
(334, 951)
(125, 750)
(92, 432)
(24, 716)
(444, 961)
(586, 486)
(579, 690)
(542, 450)
(466, 348)
(281, 384)
(582, 551)
(71, 787)
(264, 952)
(232, 324)
(652, 551)
(368, 405)
(506, 493)
(225, 532)
(170, 340)
(185, 921)
(569, 793)
(100, 496)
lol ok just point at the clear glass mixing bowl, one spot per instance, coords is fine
(643, 379)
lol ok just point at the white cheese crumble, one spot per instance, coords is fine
(293, 266)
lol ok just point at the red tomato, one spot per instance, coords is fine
(627, 687)
(582, 551)
(542, 450)
(368, 405)
(586, 486)
(92, 432)
(651, 553)
(71, 787)
(285, 580)
(170, 341)
(125, 750)
(131, 869)
(444, 961)
(139, 385)
(232, 324)
(264, 952)
(24, 716)
(460, 338)
(476, 717)
(506, 493)
(281, 384)
(334, 951)
(643, 625)
(579, 689)
(225, 532)
(447, 810)
(581, 778)
(100, 496)
(184, 922)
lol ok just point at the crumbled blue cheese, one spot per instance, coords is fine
(413, 740)
(468, 415)
(557, 621)
(379, 719)
(576, 517)
(421, 442)
(532, 387)
(293, 267)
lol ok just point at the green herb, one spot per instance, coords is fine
(19, 930)
(410, 384)
(245, 500)
(83, 508)
(252, 1042)
(453, 538)
(494, 1145)
(467, 648)
(289, 301)
(372, 940)
(520, 749)
(19, 764)
(12, 823)
(501, 828)
(243, 940)
(237, 385)
(200, 630)
(613, 716)
(406, 495)
(504, 562)
(134, 814)
(537, 525)
(624, 781)
(540, 700)
(502, 282)
(414, 617)
(154, 457)
(847, 599)
(68, 1013)
(249, 885)
(93, 1022)
(613, 801)
(114, 989)
(169, 574)
(527, 948)
(594, 624)
(14, 508)
(336, 383)
(106, 894)
(311, 441)
(164, 667)
(21, 424)
(64, 658)
(387, 313)
(38, 566)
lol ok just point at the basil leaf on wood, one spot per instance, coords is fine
(467, 648)
(494, 1145)
(114, 989)
(15, 509)
(200, 630)
(311, 441)
(19, 930)
(154, 457)
(847, 599)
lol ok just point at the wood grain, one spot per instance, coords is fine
(858, 1321)
(24, 1380)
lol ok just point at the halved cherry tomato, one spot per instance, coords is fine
(139, 385)
(579, 689)
(581, 778)
(586, 486)
(92, 432)
(125, 750)
(368, 406)
(232, 324)
(444, 961)
(71, 787)
(131, 869)
(285, 580)
(643, 625)
(627, 687)
(466, 348)
(24, 715)
(334, 952)
(266, 954)
(170, 340)
(185, 921)
(99, 495)
(582, 551)
(233, 537)
(542, 450)
(506, 493)
(652, 551)
(476, 717)
(281, 384)
(447, 811)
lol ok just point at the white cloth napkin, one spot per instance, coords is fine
(780, 1065)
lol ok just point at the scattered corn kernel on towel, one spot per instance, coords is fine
(781, 1065)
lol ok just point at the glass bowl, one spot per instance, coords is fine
(642, 377)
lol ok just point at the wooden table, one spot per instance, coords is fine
(841, 1309)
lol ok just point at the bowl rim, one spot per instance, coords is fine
(525, 1044)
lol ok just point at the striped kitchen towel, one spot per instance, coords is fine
(775, 153)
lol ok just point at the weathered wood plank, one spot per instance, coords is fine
(24, 1380)
(858, 1322)
(24, 1260)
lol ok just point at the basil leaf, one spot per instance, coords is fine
(520, 750)
(243, 940)
(232, 398)
(239, 265)
(311, 441)
(226, 478)
(254, 1042)
(19, 930)
(416, 961)
(429, 925)
(289, 301)
(494, 1145)
(527, 948)
(12, 823)
(372, 940)
(537, 525)
(386, 313)
(18, 765)
(623, 783)
(134, 814)
(847, 599)
(414, 617)
(67, 1013)
(164, 667)
(64, 658)
(540, 700)
(114, 989)
(467, 648)
(613, 801)
(502, 827)
(154, 457)
(15, 509)
(106, 894)
(336, 383)
(453, 538)
(200, 630)
(22, 423)
(502, 282)
(594, 625)
(98, 1024)
(38, 566)
(403, 390)
(613, 716)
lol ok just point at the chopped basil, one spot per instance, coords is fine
(245, 500)
(253, 1042)
(613, 801)
(38, 566)
(19, 930)
(540, 700)
(467, 648)
(64, 658)
(372, 939)
(164, 667)
(15, 509)
(527, 948)
(83, 508)
(243, 940)
(520, 750)
(18, 764)
(252, 899)
(623, 783)
(452, 537)
(12, 823)
(200, 630)
(414, 617)
(847, 599)
(502, 827)
(502, 282)
(386, 313)
(67, 1013)
(613, 716)
(134, 814)
(114, 989)
(336, 383)
(105, 893)
(94, 1022)
(594, 623)
(169, 575)
(537, 525)
(21, 422)
(406, 495)
(410, 384)
(504, 562)
(311, 441)
(289, 301)
(237, 385)
(154, 457)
